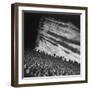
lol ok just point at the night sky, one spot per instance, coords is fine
(31, 22)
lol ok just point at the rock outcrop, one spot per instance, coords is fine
(57, 38)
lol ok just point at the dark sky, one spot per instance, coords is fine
(31, 22)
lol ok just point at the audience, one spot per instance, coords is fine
(37, 64)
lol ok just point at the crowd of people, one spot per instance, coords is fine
(38, 64)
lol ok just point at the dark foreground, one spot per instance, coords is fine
(38, 64)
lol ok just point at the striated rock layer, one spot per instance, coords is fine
(58, 39)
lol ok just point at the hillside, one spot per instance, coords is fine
(57, 50)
